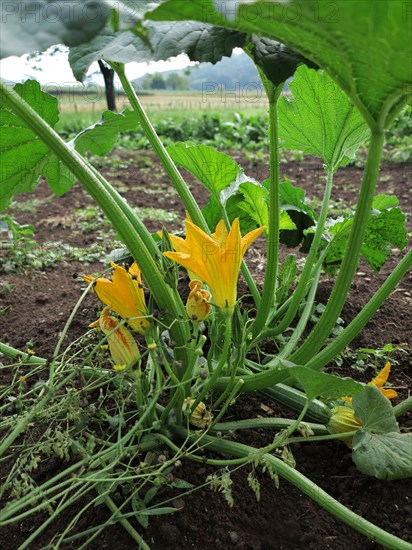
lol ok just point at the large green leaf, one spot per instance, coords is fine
(382, 202)
(215, 170)
(201, 42)
(322, 384)
(277, 61)
(293, 202)
(385, 456)
(154, 41)
(221, 176)
(212, 212)
(379, 449)
(364, 46)
(294, 197)
(385, 228)
(31, 26)
(255, 204)
(100, 138)
(375, 411)
(24, 157)
(225, 180)
(320, 119)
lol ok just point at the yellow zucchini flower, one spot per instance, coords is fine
(343, 420)
(124, 294)
(379, 381)
(198, 303)
(215, 259)
(122, 345)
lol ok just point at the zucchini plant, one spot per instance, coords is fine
(195, 357)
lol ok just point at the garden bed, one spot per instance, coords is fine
(36, 309)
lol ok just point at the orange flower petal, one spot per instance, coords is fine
(123, 347)
(215, 259)
(380, 380)
(390, 394)
(124, 295)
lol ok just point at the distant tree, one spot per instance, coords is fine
(158, 82)
(146, 83)
(174, 81)
(153, 82)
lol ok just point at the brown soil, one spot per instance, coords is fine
(38, 308)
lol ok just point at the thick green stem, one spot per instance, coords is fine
(324, 326)
(301, 288)
(304, 318)
(256, 381)
(26, 358)
(307, 486)
(154, 140)
(272, 423)
(134, 240)
(272, 247)
(403, 407)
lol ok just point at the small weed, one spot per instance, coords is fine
(23, 254)
(31, 206)
(158, 214)
(339, 208)
(91, 219)
(169, 191)
(4, 310)
(363, 358)
(16, 242)
(89, 254)
(6, 288)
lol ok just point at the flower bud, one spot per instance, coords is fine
(123, 347)
(200, 417)
(343, 420)
(198, 303)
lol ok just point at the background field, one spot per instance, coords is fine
(225, 121)
(167, 103)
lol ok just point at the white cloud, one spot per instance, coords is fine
(56, 68)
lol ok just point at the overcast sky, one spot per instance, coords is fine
(56, 68)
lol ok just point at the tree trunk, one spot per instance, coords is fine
(108, 75)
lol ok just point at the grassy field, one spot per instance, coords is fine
(177, 105)
(208, 100)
